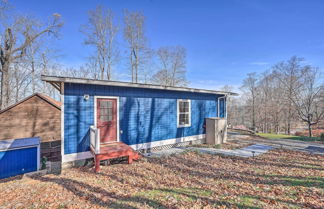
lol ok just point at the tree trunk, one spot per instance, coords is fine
(108, 71)
(132, 64)
(309, 129)
(289, 120)
(136, 68)
(17, 93)
(5, 86)
(33, 77)
(102, 73)
(253, 114)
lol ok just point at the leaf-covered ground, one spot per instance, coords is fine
(278, 179)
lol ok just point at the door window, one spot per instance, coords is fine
(106, 111)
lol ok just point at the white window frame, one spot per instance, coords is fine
(178, 113)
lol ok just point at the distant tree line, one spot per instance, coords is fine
(277, 99)
(26, 52)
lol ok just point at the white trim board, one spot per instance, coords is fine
(148, 145)
(76, 156)
(95, 111)
(224, 106)
(62, 120)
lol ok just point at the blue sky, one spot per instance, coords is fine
(225, 39)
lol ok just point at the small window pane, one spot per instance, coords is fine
(103, 111)
(102, 118)
(109, 104)
(184, 106)
(182, 119)
(181, 106)
(109, 114)
(103, 104)
(187, 119)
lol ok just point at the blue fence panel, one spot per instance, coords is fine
(16, 162)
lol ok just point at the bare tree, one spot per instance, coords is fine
(32, 61)
(15, 39)
(172, 70)
(308, 99)
(250, 86)
(289, 74)
(20, 79)
(280, 98)
(101, 33)
(137, 43)
(48, 66)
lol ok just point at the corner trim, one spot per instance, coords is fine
(62, 120)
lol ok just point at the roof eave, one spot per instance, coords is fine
(57, 81)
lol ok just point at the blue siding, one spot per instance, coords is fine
(16, 162)
(145, 115)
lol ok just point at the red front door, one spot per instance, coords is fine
(107, 119)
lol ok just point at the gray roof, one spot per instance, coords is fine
(57, 81)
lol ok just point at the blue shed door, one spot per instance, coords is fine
(18, 161)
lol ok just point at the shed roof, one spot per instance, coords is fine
(44, 97)
(57, 81)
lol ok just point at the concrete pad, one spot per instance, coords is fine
(315, 149)
(166, 152)
(290, 144)
(250, 151)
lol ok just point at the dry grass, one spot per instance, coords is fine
(278, 179)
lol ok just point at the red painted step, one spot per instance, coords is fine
(115, 150)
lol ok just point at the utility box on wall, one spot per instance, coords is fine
(216, 130)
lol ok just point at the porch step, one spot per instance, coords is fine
(114, 150)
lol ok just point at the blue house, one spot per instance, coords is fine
(142, 116)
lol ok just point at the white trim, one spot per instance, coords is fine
(152, 144)
(148, 145)
(77, 156)
(95, 111)
(62, 120)
(225, 101)
(178, 113)
(38, 157)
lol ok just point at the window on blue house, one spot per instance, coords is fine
(184, 113)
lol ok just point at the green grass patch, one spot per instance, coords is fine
(250, 202)
(284, 136)
(306, 182)
(246, 201)
(183, 194)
